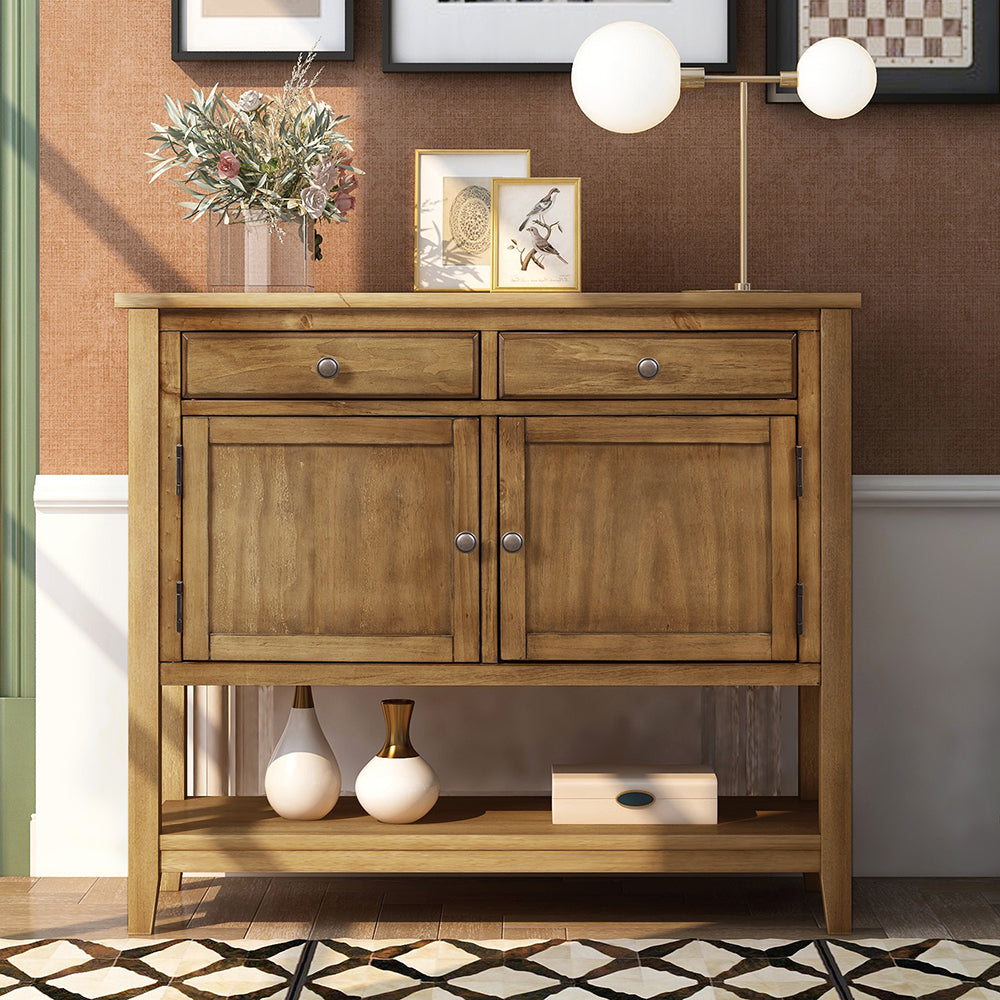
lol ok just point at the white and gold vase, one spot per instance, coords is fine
(302, 780)
(397, 785)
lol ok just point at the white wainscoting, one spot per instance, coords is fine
(81, 797)
(926, 662)
(927, 675)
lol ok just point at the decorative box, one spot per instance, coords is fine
(675, 794)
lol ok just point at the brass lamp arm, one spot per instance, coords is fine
(695, 78)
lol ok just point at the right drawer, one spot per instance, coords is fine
(534, 365)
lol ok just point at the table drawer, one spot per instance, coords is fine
(368, 364)
(606, 364)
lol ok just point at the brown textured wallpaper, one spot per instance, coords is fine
(900, 203)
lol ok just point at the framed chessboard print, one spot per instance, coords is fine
(924, 50)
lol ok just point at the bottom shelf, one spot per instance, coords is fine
(483, 835)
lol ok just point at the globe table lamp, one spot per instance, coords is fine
(627, 77)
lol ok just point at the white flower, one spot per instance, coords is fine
(250, 100)
(324, 173)
(314, 200)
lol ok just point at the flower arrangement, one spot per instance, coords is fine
(280, 158)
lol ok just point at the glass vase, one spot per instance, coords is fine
(249, 253)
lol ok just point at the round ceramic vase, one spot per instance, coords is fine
(397, 785)
(302, 780)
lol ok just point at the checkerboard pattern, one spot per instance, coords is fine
(897, 33)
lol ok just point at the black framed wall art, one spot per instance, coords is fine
(924, 50)
(526, 35)
(261, 29)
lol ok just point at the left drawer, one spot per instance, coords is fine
(359, 364)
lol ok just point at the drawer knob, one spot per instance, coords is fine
(328, 367)
(466, 541)
(512, 542)
(648, 367)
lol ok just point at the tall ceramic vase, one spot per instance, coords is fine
(397, 785)
(302, 780)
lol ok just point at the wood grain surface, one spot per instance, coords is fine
(604, 364)
(310, 537)
(371, 364)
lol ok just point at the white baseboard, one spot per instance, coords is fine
(927, 694)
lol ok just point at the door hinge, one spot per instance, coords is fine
(798, 608)
(180, 470)
(180, 605)
(798, 470)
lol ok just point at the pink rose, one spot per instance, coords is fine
(229, 166)
(343, 202)
(347, 181)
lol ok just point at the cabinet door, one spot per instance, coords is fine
(648, 538)
(330, 538)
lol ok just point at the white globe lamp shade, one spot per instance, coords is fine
(837, 78)
(626, 77)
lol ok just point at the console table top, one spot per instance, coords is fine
(489, 300)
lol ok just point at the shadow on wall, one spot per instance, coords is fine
(101, 216)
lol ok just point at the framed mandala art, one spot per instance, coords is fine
(453, 212)
(924, 50)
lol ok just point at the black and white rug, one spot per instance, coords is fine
(500, 970)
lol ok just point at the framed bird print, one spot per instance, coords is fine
(454, 217)
(536, 234)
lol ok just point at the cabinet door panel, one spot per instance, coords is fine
(649, 538)
(330, 539)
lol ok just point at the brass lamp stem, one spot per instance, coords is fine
(743, 285)
(692, 78)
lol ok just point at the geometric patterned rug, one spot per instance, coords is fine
(192, 969)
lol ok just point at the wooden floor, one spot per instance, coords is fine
(500, 907)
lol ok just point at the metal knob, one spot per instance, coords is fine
(648, 368)
(512, 542)
(328, 367)
(466, 541)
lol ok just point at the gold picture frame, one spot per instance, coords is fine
(452, 213)
(533, 231)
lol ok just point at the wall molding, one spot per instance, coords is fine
(53, 493)
(19, 194)
(926, 491)
(924, 650)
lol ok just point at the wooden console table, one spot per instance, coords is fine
(659, 489)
